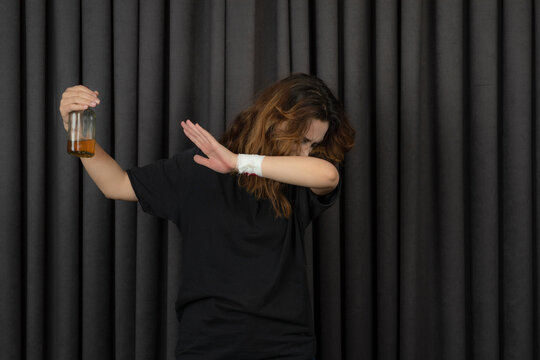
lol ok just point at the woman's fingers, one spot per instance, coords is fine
(80, 92)
(81, 88)
(204, 141)
(205, 133)
(191, 136)
(190, 133)
(77, 98)
(195, 138)
(196, 131)
(219, 157)
(80, 99)
(83, 93)
(201, 160)
(76, 107)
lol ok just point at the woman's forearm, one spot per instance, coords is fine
(109, 177)
(319, 175)
(312, 172)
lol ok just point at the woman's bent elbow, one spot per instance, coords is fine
(333, 177)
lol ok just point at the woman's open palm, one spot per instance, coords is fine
(219, 159)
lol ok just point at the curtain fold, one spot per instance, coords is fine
(11, 176)
(121, 98)
(516, 182)
(33, 150)
(383, 205)
(483, 168)
(432, 250)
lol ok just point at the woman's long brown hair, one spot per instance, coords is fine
(276, 124)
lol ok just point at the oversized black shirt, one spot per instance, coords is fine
(243, 289)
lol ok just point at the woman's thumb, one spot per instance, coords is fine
(201, 160)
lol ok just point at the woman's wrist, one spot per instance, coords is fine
(235, 162)
(250, 164)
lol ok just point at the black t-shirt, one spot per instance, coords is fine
(243, 288)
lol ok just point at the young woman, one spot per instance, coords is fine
(242, 205)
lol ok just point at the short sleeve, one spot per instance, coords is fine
(155, 186)
(309, 206)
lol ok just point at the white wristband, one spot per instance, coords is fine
(250, 164)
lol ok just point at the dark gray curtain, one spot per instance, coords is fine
(432, 251)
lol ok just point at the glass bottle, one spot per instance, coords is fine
(82, 133)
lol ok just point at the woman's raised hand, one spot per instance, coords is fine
(219, 159)
(75, 98)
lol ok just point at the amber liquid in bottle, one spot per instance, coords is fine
(81, 148)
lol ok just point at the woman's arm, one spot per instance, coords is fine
(319, 175)
(103, 169)
(109, 177)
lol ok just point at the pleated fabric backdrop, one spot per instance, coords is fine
(432, 251)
